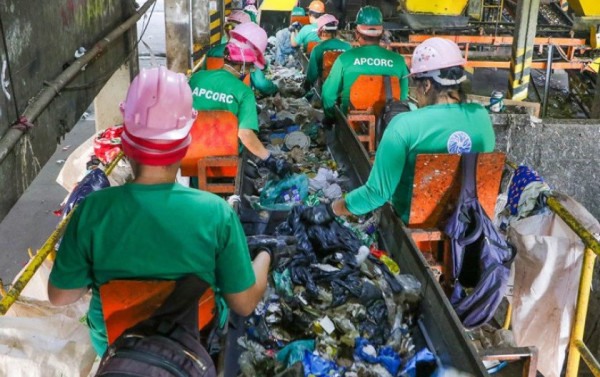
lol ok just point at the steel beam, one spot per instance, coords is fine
(201, 21)
(178, 35)
(522, 48)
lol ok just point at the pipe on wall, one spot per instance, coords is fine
(37, 107)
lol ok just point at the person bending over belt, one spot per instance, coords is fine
(368, 59)
(154, 228)
(258, 80)
(308, 33)
(327, 26)
(223, 89)
(445, 123)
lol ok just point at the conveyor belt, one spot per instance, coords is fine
(439, 326)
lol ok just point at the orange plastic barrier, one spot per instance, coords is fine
(367, 99)
(125, 303)
(310, 46)
(329, 57)
(214, 134)
(368, 92)
(304, 20)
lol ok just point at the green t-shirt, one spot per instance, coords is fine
(308, 33)
(315, 64)
(220, 90)
(365, 60)
(455, 128)
(149, 232)
(258, 80)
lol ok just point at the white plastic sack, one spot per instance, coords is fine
(38, 339)
(75, 168)
(547, 272)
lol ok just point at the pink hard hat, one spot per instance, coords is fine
(435, 54)
(238, 16)
(158, 106)
(327, 22)
(239, 52)
(250, 2)
(251, 33)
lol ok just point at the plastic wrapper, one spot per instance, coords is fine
(285, 193)
(93, 181)
(315, 366)
(386, 356)
(294, 352)
(421, 364)
(107, 144)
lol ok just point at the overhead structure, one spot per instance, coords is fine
(436, 7)
(522, 49)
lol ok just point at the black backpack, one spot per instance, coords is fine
(165, 345)
(392, 108)
(480, 255)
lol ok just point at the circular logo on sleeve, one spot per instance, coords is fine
(459, 142)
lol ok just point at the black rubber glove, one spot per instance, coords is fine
(278, 166)
(318, 215)
(277, 247)
(328, 122)
(295, 27)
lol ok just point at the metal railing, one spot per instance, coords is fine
(577, 349)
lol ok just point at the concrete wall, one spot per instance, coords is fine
(37, 42)
(567, 154)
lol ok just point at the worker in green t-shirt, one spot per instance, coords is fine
(368, 59)
(258, 80)
(327, 26)
(308, 33)
(154, 228)
(223, 89)
(444, 123)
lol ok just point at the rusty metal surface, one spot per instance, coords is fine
(178, 34)
(437, 184)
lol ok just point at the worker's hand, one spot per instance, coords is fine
(278, 166)
(277, 246)
(295, 27)
(318, 215)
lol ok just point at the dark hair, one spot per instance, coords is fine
(331, 33)
(456, 92)
(315, 14)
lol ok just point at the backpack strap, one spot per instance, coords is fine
(468, 188)
(389, 96)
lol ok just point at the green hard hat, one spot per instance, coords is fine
(369, 15)
(298, 11)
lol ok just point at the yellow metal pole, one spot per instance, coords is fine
(47, 248)
(506, 325)
(33, 266)
(589, 359)
(588, 238)
(583, 298)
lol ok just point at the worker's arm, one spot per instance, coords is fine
(250, 141)
(404, 82)
(312, 72)
(294, 38)
(384, 177)
(243, 303)
(241, 281)
(248, 125)
(331, 88)
(71, 274)
(261, 83)
(60, 297)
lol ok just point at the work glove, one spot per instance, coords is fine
(278, 166)
(277, 246)
(318, 215)
(295, 27)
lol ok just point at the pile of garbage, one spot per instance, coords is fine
(335, 305)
